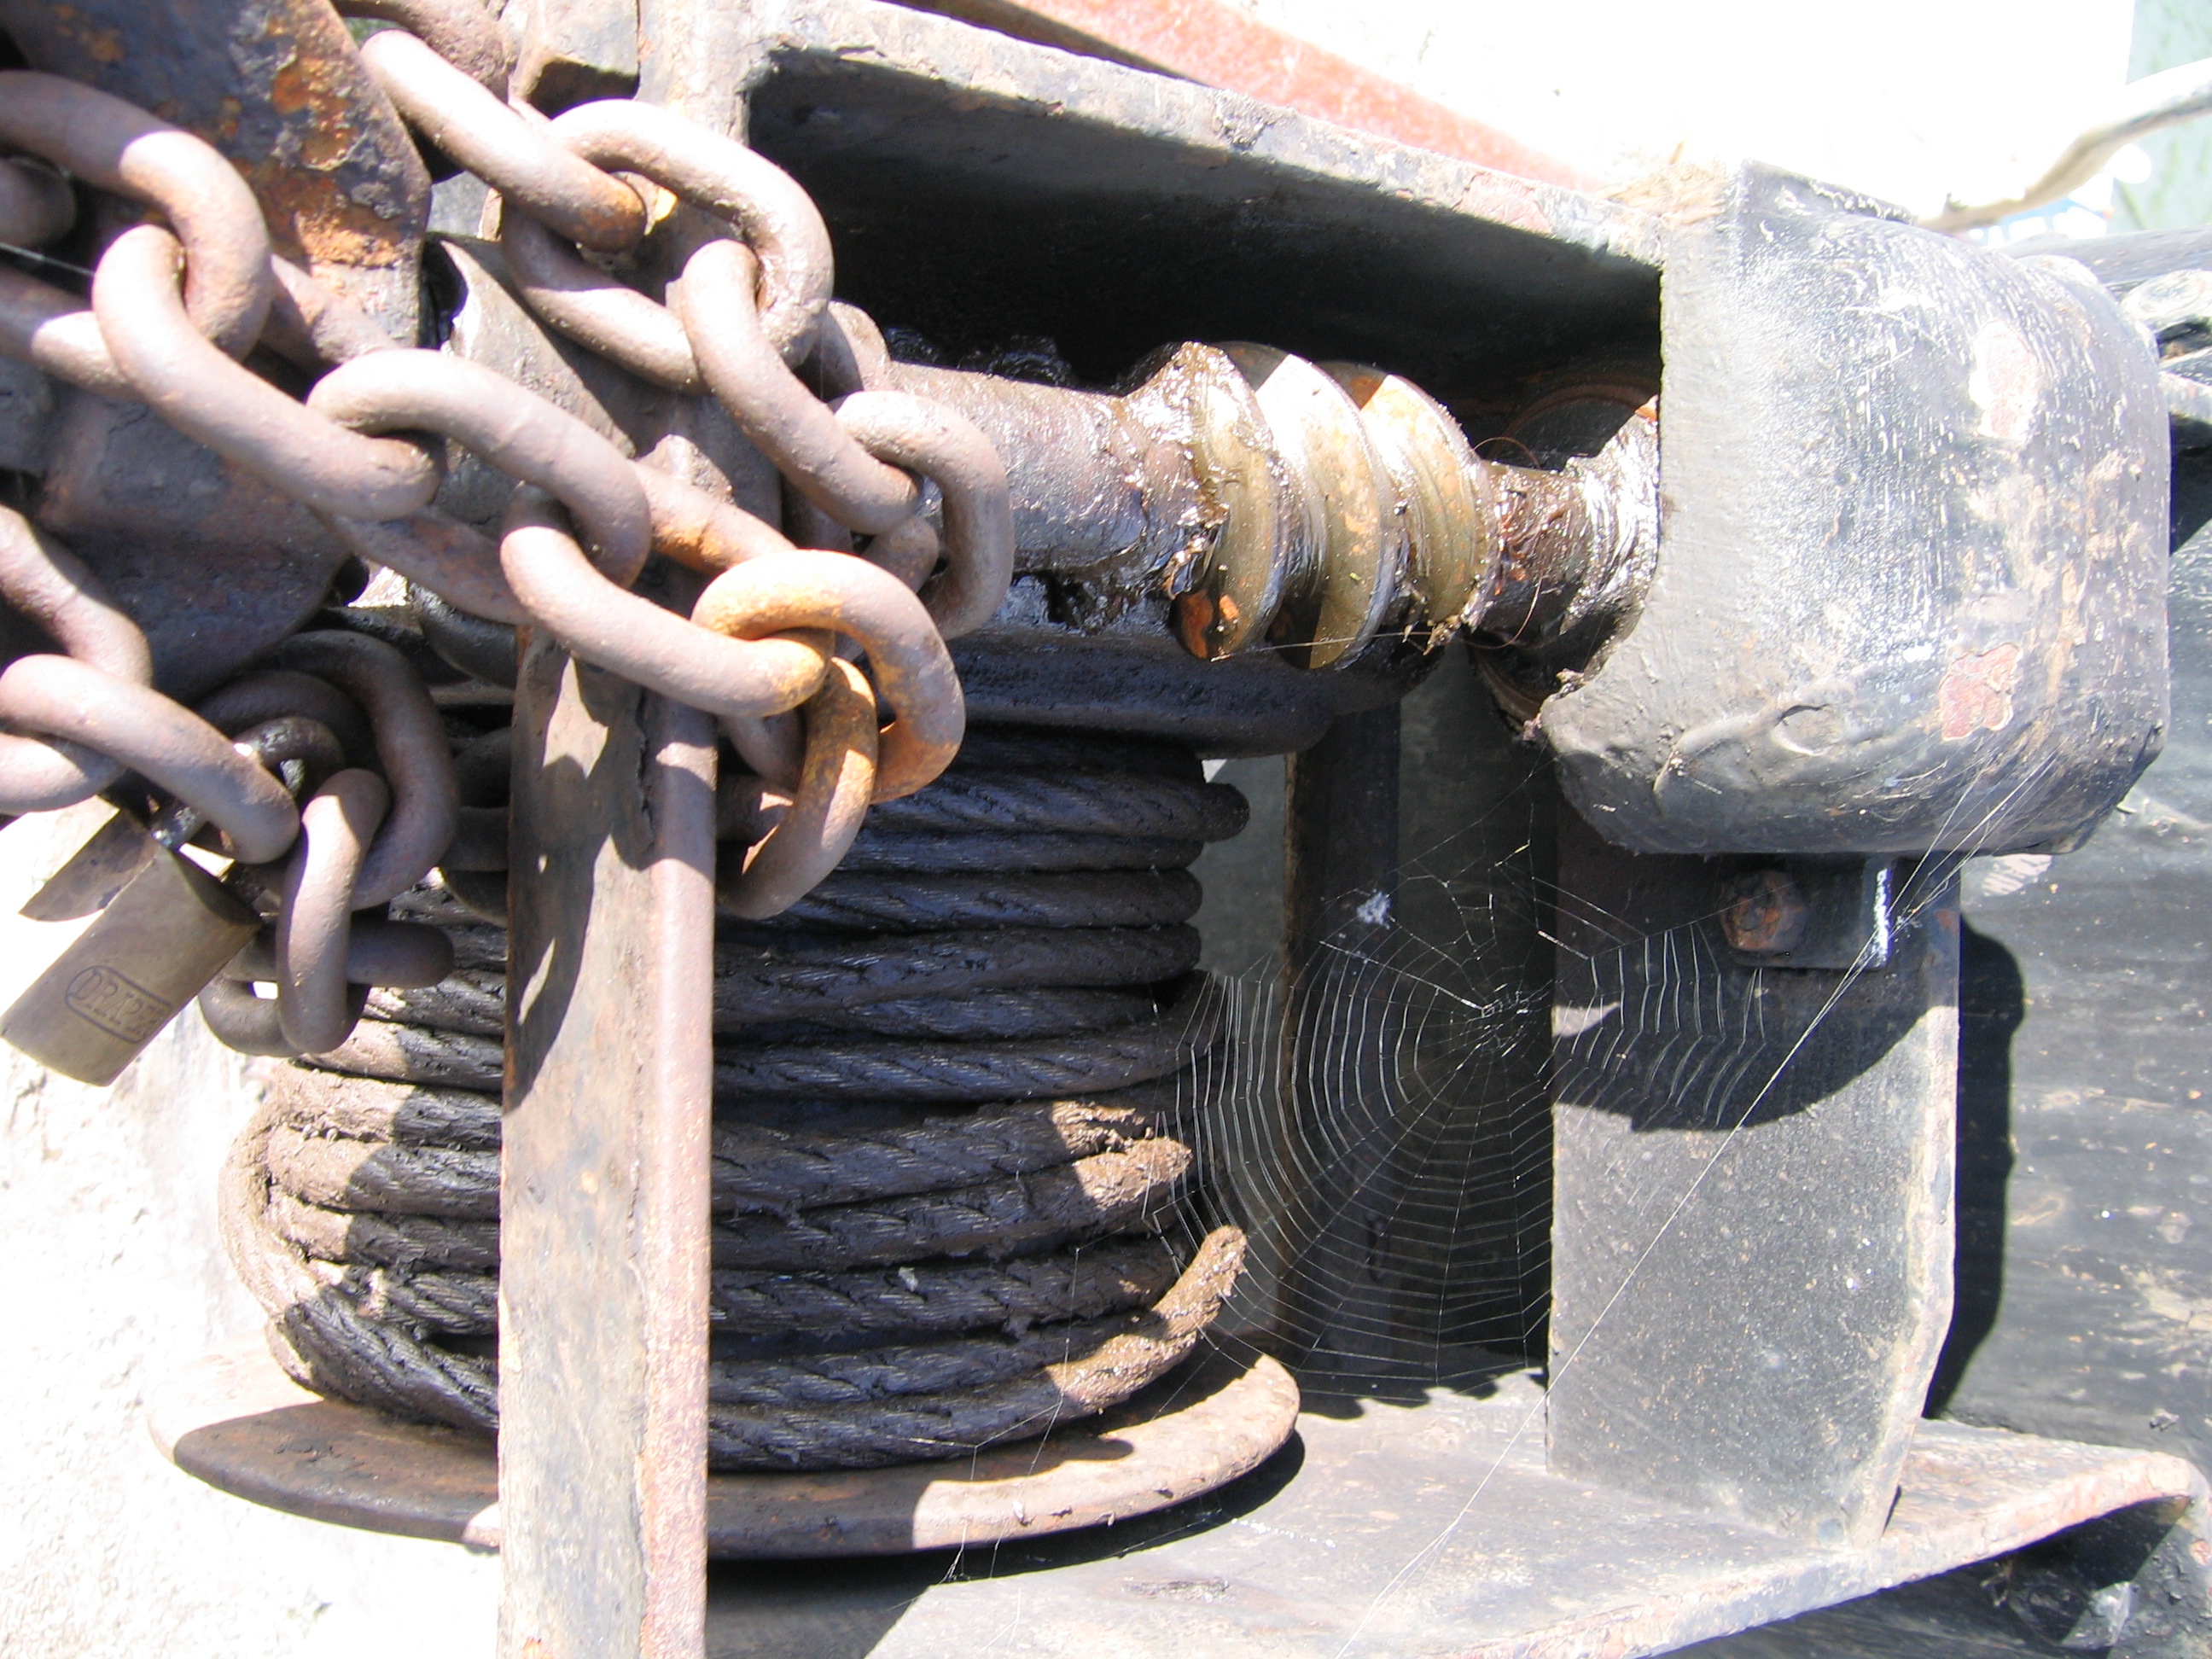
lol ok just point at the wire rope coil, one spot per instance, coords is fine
(894, 1278)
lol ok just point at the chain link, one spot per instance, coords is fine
(336, 828)
(173, 308)
(410, 752)
(814, 823)
(364, 839)
(233, 410)
(118, 147)
(47, 585)
(722, 179)
(463, 33)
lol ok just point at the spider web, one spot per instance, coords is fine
(1382, 1132)
(1382, 1126)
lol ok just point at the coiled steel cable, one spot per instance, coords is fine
(951, 1134)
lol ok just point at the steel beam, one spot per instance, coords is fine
(1751, 1240)
(604, 1173)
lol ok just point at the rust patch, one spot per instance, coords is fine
(312, 213)
(101, 45)
(311, 98)
(1194, 625)
(1976, 695)
(328, 121)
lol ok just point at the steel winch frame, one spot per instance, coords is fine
(1121, 620)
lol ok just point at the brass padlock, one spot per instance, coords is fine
(144, 956)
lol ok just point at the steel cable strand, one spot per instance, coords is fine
(369, 1329)
(1069, 1009)
(896, 1373)
(433, 1150)
(760, 978)
(985, 852)
(918, 1228)
(361, 1146)
(1078, 1165)
(410, 1272)
(316, 1333)
(892, 1304)
(974, 1071)
(1139, 1348)
(366, 1334)
(862, 902)
(359, 1133)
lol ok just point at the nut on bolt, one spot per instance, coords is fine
(1763, 913)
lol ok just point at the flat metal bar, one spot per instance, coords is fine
(604, 1203)
(1219, 45)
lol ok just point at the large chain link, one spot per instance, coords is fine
(176, 308)
(84, 717)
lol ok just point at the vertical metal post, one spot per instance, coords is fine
(1340, 859)
(603, 1443)
(604, 1209)
(1751, 1241)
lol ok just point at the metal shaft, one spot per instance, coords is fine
(1314, 508)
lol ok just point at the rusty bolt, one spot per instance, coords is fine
(1763, 913)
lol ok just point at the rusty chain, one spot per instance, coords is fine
(176, 305)
(223, 768)
(363, 837)
(745, 312)
(118, 147)
(45, 584)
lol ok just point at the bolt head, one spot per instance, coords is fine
(1763, 913)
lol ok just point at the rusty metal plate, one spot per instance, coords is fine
(238, 1423)
(1431, 1528)
(1390, 1528)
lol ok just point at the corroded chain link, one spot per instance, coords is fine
(85, 718)
(745, 312)
(174, 309)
